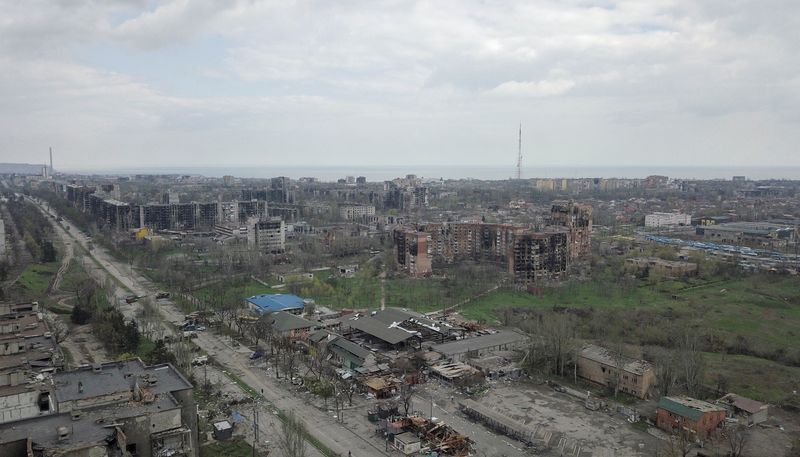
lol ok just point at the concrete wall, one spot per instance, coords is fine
(603, 374)
(703, 428)
(189, 417)
(19, 406)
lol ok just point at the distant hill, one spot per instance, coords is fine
(21, 168)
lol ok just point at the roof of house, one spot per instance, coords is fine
(272, 303)
(285, 322)
(602, 355)
(688, 407)
(479, 342)
(742, 403)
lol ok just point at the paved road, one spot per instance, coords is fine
(235, 358)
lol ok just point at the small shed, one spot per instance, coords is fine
(407, 443)
(752, 411)
(223, 430)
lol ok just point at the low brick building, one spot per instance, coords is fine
(696, 417)
(598, 364)
(669, 268)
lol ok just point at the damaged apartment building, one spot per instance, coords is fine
(529, 256)
(27, 353)
(116, 215)
(113, 409)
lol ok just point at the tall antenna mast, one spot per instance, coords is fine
(519, 157)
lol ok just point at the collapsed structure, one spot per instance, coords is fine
(529, 256)
(116, 408)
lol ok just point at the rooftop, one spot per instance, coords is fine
(389, 333)
(342, 343)
(742, 403)
(479, 342)
(271, 303)
(115, 377)
(602, 355)
(688, 407)
(93, 425)
(285, 322)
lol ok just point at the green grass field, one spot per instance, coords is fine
(761, 311)
(36, 278)
(746, 376)
(234, 291)
(236, 447)
(766, 308)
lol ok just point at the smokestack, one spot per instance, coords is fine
(51, 160)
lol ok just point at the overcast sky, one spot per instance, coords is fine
(225, 82)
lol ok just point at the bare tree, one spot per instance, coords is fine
(618, 356)
(666, 371)
(292, 438)
(691, 362)
(58, 329)
(552, 339)
(677, 445)
(738, 438)
(406, 395)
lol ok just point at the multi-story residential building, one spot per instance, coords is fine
(412, 252)
(659, 219)
(269, 235)
(358, 213)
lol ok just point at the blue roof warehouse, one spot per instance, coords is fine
(272, 303)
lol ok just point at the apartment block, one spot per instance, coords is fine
(268, 235)
(538, 256)
(412, 253)
(659, 219)
(577, 219)
(358, 213)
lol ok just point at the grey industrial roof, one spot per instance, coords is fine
(348, 346)
(479, 342)
(117, 377)
(389, 315)
(284, 322)
(378, 329)
(396, 315)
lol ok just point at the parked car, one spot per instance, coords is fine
(190, 334)
(131, 299)
(200, 360)
(200, 328)
(162, 295)
(257, 354)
